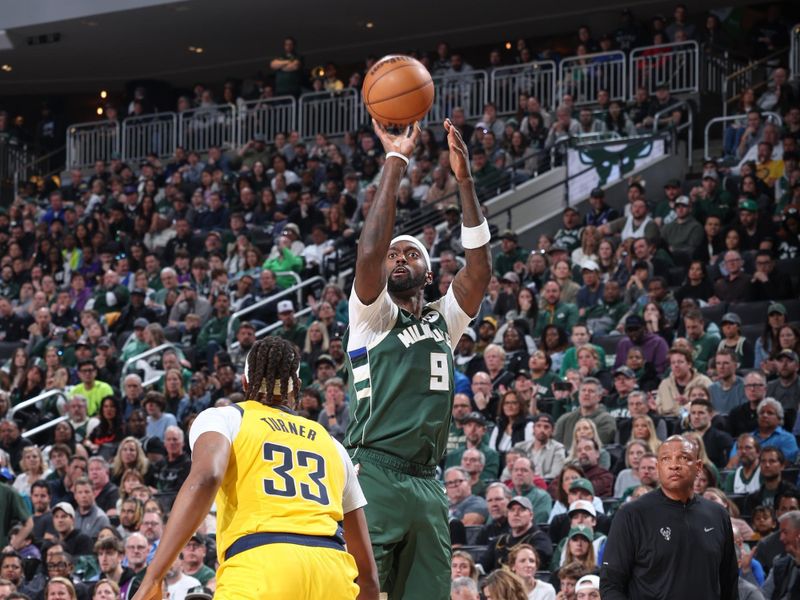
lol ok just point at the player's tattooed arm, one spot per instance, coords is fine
(379, 226)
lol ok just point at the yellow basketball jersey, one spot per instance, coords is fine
(285, 475)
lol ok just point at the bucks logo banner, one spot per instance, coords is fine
(611, 163)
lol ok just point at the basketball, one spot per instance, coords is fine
(397, 91)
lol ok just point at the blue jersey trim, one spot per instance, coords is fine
(358, 353)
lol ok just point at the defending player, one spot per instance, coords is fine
(401, 372)
(283, 485)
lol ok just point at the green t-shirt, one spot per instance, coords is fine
(570, 360)
(704, 349)
(401, 377)
(12, 510)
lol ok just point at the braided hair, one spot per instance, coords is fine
(272, 360)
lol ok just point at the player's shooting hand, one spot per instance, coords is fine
(459, 154)
(403, 143)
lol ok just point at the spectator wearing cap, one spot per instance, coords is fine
(464, 506)
(733, 340)
(512, 257)
(553, 311)
(569, 235)
(335, 414)
(685, 234)
(786, 388)
(664, 211)
(672, 395)
(188, 301)
(523, 484)
(751, 231)
(136, 343)
(214, 334)
(90, 388)
(546, 454)
(136, 308)
(608, 311)
(73, 540)
(588, 588)
(727, 392)
(624, 383)
(290, 329)
(654, 348)
(765, 284)
(600, 212)
(708, 200)
(522, 530)
(583, 515)
(474, 427)
(194, 555)
(592, 289)
(579, 489)
(465, 358)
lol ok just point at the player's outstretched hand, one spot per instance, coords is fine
(459, 153)
(403, 143)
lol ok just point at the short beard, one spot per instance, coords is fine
(409, 283)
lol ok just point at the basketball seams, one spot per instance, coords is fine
(377, 79)
(403, 93)
(415, 116)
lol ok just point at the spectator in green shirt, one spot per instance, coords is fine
(214, 334)
(290, 330)
(512, 255)
(704, 344)
(553, 311)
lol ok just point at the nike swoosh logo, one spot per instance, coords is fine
(707, 529)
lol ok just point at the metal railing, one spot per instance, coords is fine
(674, 65)
(769, 116)
(261, 303)
(133, 360)
(157, 134)
(90, 142)
(200, 129)
(584, 76)
(272, 327)
(688, 125)
(469, 91)
(794, 53)
(717, 65)
(534, 79)
(329, 113)
(754, 75)
(267, 117)
(37, 401)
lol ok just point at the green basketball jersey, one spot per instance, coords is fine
(401, 386)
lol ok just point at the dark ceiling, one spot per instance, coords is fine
(239, 36)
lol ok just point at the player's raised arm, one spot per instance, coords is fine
(379, 226)
(209, 461)
(470, 282)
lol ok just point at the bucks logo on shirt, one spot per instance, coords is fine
(401, 377)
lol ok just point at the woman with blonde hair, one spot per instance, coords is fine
(463, 565)
(316, 342)
(626, 478)
(130, 455)
(586, 428)
(524, 563)
(642, 428)
(590, 241)
(697, 439)
(504, 585)
(106, 589)
(33, 469)
(60, 588)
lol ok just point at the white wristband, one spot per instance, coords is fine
(475, 237)
(397, 155)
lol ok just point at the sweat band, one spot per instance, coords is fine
(398, 155)
(418, 244)
(475, 237)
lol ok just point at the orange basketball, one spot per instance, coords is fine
(397, 91)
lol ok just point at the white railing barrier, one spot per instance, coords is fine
(469, 91)
(147, 134)
(534, 79)
(266, 117)
(584, 76)
(772, 117)
(329, 113)
(675, 65)
(90, 142)
(202, 128)
(149, 372)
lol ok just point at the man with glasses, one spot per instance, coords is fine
(734, 286)
(136, 551)
(786, 388)
(773, 485)
(89, 388)
(744, 418)
(589, 407)
(464, 506)
(766, 286)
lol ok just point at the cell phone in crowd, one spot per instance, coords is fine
(562, 386)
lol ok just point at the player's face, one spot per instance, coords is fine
(406, 268)
(677, 466)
